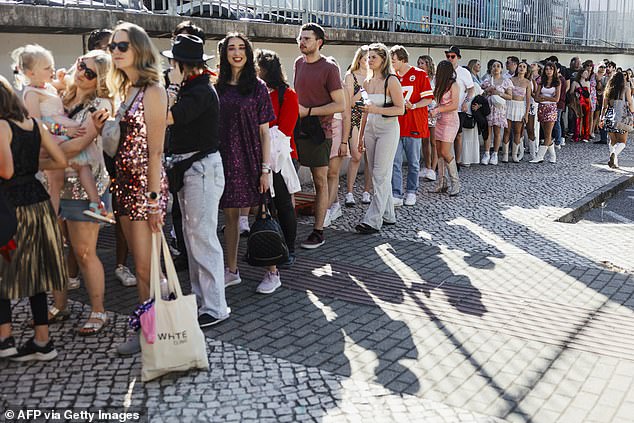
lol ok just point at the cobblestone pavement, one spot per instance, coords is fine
(476, 308)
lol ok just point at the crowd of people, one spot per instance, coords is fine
(116, 131)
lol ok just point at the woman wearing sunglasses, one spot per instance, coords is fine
(140, 184)
(86, 90)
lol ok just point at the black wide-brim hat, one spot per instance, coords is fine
(455, 50)
(188, 49)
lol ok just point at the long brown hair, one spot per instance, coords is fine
(554, 82)
(11, 107)
(615, 86)
(445, 78)
(248, 78)
(146, 61)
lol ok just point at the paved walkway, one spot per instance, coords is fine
(479, 308)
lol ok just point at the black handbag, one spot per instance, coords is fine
(309, 127)
(468, 122)
(266, 245)
(9, 221)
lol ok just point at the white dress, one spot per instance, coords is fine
(471, 139)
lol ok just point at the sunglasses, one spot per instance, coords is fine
(450, 56)
(89, 73)
(123, 46)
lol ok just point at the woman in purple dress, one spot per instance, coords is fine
(245, 113)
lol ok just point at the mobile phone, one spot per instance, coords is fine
(92, 109)
(359, 103)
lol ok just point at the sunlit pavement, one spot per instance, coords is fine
(475, 308)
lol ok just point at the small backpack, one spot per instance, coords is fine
(266, 245)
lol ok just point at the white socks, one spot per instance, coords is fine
(618, 148)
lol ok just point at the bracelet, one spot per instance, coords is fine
(310, 109)
(344, 143)
(154, 212)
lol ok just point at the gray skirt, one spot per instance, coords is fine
(37, 264)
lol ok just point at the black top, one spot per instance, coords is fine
(23, 189)
(195, 115)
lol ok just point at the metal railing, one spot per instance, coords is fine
(582, 22)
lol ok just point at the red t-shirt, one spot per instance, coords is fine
(314, 82)
(416, 86)
(286, 118)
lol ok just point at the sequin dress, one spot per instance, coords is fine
(240, 145)
(131, 167)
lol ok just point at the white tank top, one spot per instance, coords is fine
(549, 92)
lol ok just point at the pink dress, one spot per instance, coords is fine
(447, 124)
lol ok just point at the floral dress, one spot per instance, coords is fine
(497, 117)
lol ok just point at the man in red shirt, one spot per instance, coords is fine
(418, 95)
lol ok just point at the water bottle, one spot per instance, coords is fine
(364, 96)
(165, 292)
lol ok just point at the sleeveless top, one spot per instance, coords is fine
(51, 105)
(519, 91)
(23, 189)
(549, 92)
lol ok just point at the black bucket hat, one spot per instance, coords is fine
(188, 49)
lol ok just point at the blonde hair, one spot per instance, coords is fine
(26, 58)
(356, 61)
(146, 61)
(384, 53)
(102, 67)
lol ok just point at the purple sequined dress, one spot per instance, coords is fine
(240, 146)
(131, 164)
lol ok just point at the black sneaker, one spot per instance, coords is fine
(206, 320)
(314, 240)
(7, 348)
(32, 352)
(601, 142)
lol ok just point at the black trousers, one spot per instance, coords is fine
(177, 223)
(283, 206)
(39, 308)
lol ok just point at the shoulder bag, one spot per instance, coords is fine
(623, 118)
(111, 132)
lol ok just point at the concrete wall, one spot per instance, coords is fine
(66, 48)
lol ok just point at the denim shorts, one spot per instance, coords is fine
(73, 210)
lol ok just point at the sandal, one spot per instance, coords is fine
(98, 212)
(93, 328)
(55, 315)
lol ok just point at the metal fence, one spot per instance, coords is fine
(582, 22)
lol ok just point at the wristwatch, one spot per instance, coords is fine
(265, 170)
(152, 195)
(413, 106)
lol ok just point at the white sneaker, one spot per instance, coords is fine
(410, 199)
(231, 278)
(125, 276)
(494, 159)
(74, 283)
(431, 175)
(563, 142)
(485, 159)
(270, 283)
(366, 198)
(244, 225)
(327, 218)
(335, 212)
(398, 202)
(422, 173)
(349, 200)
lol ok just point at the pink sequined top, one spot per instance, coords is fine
(131, 165)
